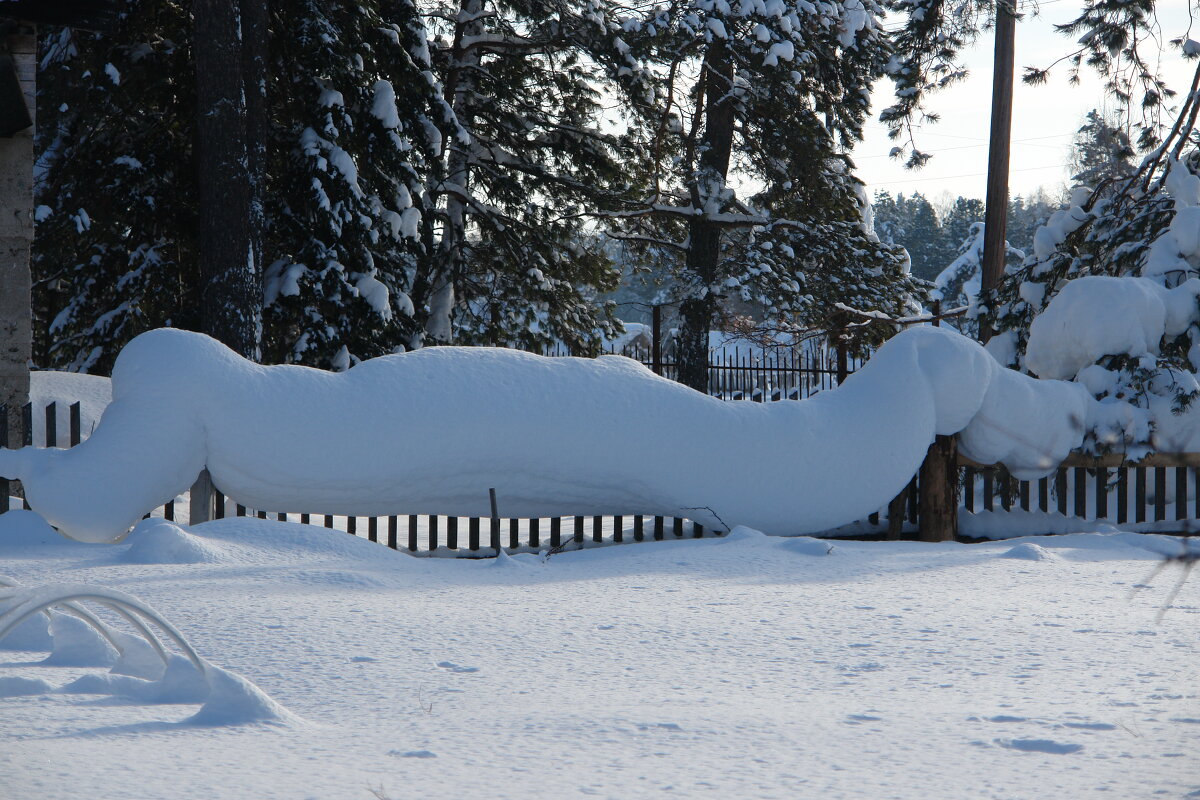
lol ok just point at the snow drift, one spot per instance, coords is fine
(430, 431)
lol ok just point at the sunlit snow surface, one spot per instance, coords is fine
(748, 667)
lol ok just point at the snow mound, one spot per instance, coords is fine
(16, 686)
(22, 531)
(233, 700)
(741, 533)
(430, 431)
(181, 682)
(809, 546)
(32, 634)
(157, 541)
(1028, 551)
(77, 644)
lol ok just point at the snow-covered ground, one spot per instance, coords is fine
(745, 667)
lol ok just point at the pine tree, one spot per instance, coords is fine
(1140, 225)
(515, 262)
(782, 90)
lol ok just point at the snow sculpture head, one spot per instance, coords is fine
(430, 431)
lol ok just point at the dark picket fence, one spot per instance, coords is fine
(427, 534)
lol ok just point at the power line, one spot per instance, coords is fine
(964, 175)
(935, 152)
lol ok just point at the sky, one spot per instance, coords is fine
(1045, 117)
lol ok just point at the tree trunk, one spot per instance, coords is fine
(228, 171)
(704, 233)
(460, 86)
(16, 236)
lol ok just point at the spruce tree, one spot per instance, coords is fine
(355, 129)
(356, 116)
(114, 251)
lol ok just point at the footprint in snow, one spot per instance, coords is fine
(662, 726)
(450, 665)
(361, 659)
(1040, 746)
(412, 753)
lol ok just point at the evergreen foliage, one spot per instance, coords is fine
(781, 90)
(348, 220)
(355, 129)
(114, 252)
(1137, 223)
(515, 263)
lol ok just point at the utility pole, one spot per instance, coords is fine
(996, 210)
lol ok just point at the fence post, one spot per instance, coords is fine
(939, 491)
(656, 344)
(839, 334)
(202, 507)
(896, 512)
(937, 313)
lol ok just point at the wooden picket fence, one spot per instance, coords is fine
(1160, 488)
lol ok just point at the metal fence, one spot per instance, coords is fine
(749, 372)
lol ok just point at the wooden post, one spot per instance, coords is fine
(16, 237)
(203, 506)
(895, 514)
(939, 491)
(996, 207)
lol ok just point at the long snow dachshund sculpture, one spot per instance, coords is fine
(430, 431)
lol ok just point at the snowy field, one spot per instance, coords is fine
(746, 667)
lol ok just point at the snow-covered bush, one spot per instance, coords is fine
(1108, 298)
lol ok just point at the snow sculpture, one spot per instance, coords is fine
(430, 431)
